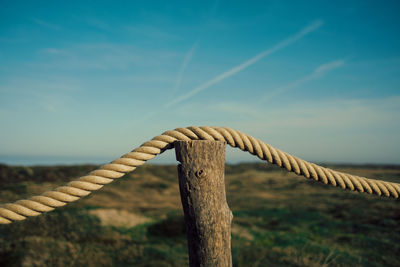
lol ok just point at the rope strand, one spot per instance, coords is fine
(96, 179)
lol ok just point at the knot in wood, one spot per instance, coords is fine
(200, 174)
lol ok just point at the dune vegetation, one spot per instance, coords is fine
(280, 219)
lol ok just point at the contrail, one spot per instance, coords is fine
(303, 32)
(318, 72)
(184, 65)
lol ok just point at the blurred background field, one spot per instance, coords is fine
(279, 220)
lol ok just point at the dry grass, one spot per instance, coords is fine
(280, 219)
(119, 218)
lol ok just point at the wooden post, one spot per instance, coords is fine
(207, 214)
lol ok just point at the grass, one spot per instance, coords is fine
(279, 220)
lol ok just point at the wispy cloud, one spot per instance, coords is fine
(37, 96)
(239, 109)
(303, 32)
(46, 24)
(150, 32)
(185, 63)
(317, 73)
(55, 51)
(97, 23)
(11, 40)
(104, 56)
(329, 112)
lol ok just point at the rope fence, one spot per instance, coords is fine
(127, 163)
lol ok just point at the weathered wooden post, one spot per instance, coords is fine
(207, 214)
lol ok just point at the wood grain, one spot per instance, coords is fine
(207, 214)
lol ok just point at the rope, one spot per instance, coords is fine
(96, 179)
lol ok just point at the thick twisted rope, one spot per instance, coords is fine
(96, 179)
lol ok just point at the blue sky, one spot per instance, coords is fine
(87, 81)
